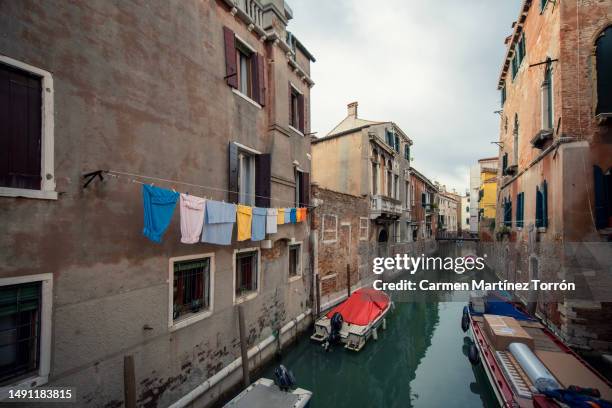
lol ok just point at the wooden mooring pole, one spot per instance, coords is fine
(318, 294)
(129, 382)
(243, 347)
(348, 279)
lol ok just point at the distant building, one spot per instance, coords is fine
(423, 224)
(448, 210)
(483, 184)
(487, 196)
(473, 194)
(465, 212)
(555, 173)
(370, 159)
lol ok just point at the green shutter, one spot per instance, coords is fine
(545, 204)
(538, 214)
(601, 201)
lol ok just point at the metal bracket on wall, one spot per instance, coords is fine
(91, 176)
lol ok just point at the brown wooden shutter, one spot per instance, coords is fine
(301, 112)
(20, 129)
(305, 189)
(232, 186)
(231, 72)
(259, 77)
(263, 182)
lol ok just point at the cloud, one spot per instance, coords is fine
(431, 67)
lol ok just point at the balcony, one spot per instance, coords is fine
(385, 207)
(249, 11)
(540, 138)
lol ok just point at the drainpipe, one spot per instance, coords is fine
(234, 365)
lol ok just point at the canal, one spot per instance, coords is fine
(419, 361)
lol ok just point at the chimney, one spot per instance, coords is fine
(352, 109)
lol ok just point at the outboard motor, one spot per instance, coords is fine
(335, 325)
(284, 378)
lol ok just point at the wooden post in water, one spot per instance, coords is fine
(348, 280)
(129, 382)
(318, 294)
(243, 347)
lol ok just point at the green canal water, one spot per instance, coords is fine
(419, 361)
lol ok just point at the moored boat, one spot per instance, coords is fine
(526, 364)
(355, 320)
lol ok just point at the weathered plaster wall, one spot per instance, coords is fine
(338, 163)
(139, 88)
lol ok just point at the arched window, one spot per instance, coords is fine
(516, 139)
(547, 97)
(603, 57)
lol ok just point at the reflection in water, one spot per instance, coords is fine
(419, 361)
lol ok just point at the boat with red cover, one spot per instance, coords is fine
(355, 320)
(525, 362)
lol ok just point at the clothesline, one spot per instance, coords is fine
(122, 174)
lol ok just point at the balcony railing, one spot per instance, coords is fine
(385, 206)
(250, 11)
(254, 10)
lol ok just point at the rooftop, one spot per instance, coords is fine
(352, 123)
(512, 40)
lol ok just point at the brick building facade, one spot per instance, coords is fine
(553, 199)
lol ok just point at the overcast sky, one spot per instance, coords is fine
(429, 66)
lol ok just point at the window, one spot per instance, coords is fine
(543, 5)
(542, 205)
(520, 209)
(302, 188)
(412, 195)
(504, 163)
(246, 178)
(191, 295)
(364, 226)
(516, 139)
(507, 204)
(26, 132)
(547, 97)
(407, 151)
(246, 274)
(503, 95)
(25, 331)
(603, 57)
(603, 197)
(389, 182)
(423, 200)
(21, 307)
(296, 109)
(244, 58)
(329, 229)
(295, 260)
(397, 144)
(396, 193)
(389, 138)
(375, 176)
(397, 232)
(249, 176)
(244, 68)
(519, 55)
(407, 194)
